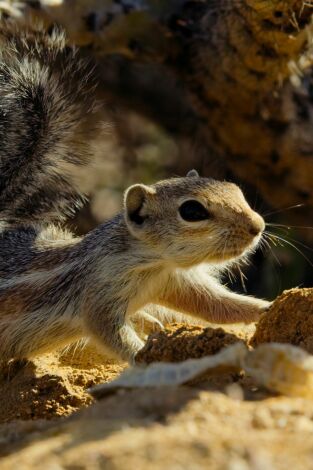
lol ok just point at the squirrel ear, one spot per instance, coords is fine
(134, 199)
(193, 173)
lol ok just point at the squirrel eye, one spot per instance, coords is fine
(193, 211)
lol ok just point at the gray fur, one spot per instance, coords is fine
(46, 122)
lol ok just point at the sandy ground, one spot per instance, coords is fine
(48, 420)
(52, 385)
(223, 424)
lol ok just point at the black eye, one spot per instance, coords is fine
(193, 211)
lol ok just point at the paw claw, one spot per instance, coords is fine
(147, 324)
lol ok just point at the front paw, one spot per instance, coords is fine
(145, 324)
(264, 305)
(256, 309)
(267, 306)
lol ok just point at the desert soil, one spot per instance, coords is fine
(49, 421)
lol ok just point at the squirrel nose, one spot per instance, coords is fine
(253, 230)
(256, 226)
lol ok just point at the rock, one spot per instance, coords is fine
(179, 342)
(289, 320)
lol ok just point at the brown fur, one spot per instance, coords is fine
(54, 288)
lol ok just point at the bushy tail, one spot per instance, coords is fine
(47, 120)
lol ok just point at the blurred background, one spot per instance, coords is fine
(151, 154)
(222, 86)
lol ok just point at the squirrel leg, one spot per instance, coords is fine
(114, 333)
(166, 315)
(210, 301)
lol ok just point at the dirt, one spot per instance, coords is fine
(52, 385)
(48, 420)
(179, 342)
(185, 428)
(290, 320)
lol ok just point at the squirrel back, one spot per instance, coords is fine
(47, 120)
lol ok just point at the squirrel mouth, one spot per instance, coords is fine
(240, 250)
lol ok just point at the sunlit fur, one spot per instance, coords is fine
(223, 237)
(55, 289)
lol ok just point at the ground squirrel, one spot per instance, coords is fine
(166, 248)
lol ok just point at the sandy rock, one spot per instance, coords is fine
(290, 320)
(282, 368)
(179, 342)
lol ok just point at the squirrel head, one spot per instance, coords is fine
(191, 220)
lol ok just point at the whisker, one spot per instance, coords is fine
(293, 246)
(243, 278)
(271, 250)
(262, 247)
(289, 227)
(273, 240)
(298, 242)
(275, 271)
(276, 258)
(282, 210)
(284, 230)
(266, 243)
